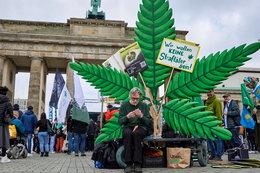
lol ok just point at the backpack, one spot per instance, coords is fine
(104, 154)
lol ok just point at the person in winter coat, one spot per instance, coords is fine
(29, 121)
(79, 131)
(91, 132)
(213, 104)
(43, 134)
(5, 109)
(135, 117)
(231, 117)
(70, 135)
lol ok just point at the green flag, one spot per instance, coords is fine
(80, 114)
(246, 99)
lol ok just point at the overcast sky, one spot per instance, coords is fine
(215, 25)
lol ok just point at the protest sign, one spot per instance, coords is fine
(179, 54)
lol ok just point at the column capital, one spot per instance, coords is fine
(36, 58)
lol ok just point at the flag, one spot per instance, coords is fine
(78, 92)
(57, 88)
(50, 113)
(64, 102)
(80, 114)
(246, 119)
(257, 91)
(246, 99)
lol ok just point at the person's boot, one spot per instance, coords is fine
(42, 154)
(137, 168)
(46, 154)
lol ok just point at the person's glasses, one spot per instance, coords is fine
(135, 98)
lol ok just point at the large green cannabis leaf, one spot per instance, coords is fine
(154, 25)
(111, 82)
(111, 130)
(209, 72)
(182, 116)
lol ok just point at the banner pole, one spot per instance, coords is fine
(154, 112)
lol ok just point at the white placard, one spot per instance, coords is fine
(179, 54)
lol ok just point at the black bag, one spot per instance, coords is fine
(7, 118)
(49, 129)
(105, 153)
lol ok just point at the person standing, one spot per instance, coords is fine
(70, 135)
(91, 132)
(135, 118)
(29, 121)
(79, 131)
(213, 104)
(43, 135)
(53, 136)
(16, 108)
(5, 109)
(231, 117)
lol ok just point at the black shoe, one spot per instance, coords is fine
(42, 154)
(83, 154)
(128, 169)
(137, 168)
(76, 154)
(211, 157)
(218, 158)
(46, 154)
(69, 153)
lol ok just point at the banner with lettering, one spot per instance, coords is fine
(179, 54)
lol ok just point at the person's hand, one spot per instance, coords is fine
(130, 115)
(138, 113)
(225, 113)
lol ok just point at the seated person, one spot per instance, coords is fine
(135, 118)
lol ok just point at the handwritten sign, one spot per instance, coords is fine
(179, 54)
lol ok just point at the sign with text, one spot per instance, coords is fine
(179, 54)
(129, 59)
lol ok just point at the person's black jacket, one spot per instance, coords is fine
(5, 108)
(79, 127)
(92, 128)
(233, 114)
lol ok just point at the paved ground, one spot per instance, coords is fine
(63, 163)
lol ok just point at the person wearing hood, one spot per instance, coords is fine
(5, 109)
(29, 121)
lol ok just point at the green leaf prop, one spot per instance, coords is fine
(111, 130)
(154, 25)
(110, 82)
(209, 72)
(182, 116)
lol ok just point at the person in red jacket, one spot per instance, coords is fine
(111, 110)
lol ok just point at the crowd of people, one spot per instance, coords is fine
(42, 136)
(135, 118)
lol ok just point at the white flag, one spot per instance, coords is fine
(78, 92)
(64, 101)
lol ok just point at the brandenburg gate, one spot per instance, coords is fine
(41, 47)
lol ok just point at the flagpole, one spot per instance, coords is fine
(101, 114)
(154, 115)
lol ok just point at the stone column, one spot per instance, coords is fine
(43, 87)
(35, 84)
(2, 61)
(8, 71)
(69, 79)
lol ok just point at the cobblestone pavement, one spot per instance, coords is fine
(63, 163)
